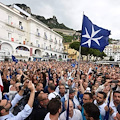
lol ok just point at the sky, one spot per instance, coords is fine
(104, 13)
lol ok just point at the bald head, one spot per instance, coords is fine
(70, 106)
(70, 103)
(43, 99)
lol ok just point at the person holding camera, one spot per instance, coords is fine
(7, 106)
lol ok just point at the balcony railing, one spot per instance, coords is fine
(38, 34)
(20, 27)
(51, 40)
(10, 23)
(22, 52)
(55, 42)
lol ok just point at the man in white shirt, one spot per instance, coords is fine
(74, 114)
(6, 106)
(74, 98)
(51, 90)
(113, 104)
(100, 102)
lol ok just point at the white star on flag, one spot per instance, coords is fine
(90, 38)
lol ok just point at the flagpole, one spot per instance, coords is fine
(79, 57)
(80, 48)
(67, 110)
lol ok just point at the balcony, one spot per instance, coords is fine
(51, 40)
(38, 34)
(38, 45)
(55, 42)
(22, 52)
(60, 44)
(45, 36)
(10, 23)
(20, 27)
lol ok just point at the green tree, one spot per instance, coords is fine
(75, 45)
(87, 51)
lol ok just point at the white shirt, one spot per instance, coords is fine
(0, 95)
(47, 117)
(21, 115)
(115, 110)
(57, 89)
(76, 115)
(101, 108)
(52, 95)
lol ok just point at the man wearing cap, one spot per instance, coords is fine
(74, 99)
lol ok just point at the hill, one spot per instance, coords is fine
(50, 22)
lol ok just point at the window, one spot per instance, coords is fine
(20, 25)
(38, 33)
(65, 47)
(55, 40)
(10, 20)
(9, 36)
(44, 45)
(45, 35)
(36, 42)
(20, 39)
(37, 30)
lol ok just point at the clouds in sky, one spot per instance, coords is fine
(104, 13)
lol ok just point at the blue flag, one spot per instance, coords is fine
(73, 64)
(14, 59)
(93, 36)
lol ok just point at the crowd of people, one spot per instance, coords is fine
(45, 90)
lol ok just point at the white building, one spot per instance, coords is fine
(109, 50)
(25, 37)
(113, 50)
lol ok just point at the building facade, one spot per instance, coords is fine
(27, 38)
(113, 50)
(72, 53)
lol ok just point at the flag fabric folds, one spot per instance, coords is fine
(93, 36)
(14, 59)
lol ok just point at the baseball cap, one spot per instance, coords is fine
(71, 90)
